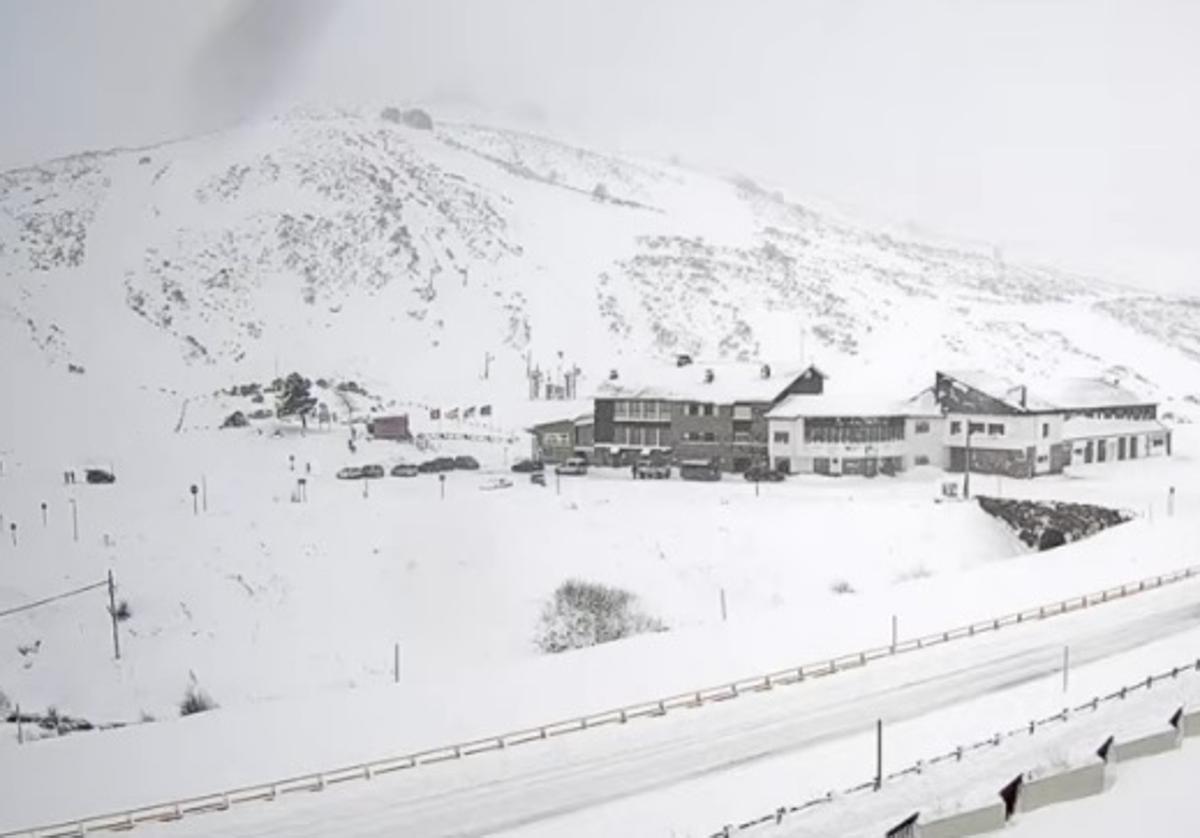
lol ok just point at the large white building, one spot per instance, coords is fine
(999, 426)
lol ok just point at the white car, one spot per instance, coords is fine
(575, 465)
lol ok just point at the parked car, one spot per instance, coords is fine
(436, 465)
(405, 470)
(350, 473)
(651, 470)
(373, 471)
(574, 465)
(761, 473)
(700, 470)
(99, 475)
(527, 466)
(466, 463)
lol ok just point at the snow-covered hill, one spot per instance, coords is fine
(364, 246)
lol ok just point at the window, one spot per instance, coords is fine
(995, 429)
(742, 413)
(781, 437)
(709, 436)
(955, 428)
(921, 427)
(709, 409)
(921, 460)
(693, 409)
(975, 428)
(1045, 429)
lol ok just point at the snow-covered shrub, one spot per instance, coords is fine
(582, 614)
(842, 586)
(196, 700)
(237, 419)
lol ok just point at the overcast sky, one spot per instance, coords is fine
(1066, 131)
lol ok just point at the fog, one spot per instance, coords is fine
(1063, 131)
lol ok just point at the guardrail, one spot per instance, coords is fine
(777, 817)
(220, 801)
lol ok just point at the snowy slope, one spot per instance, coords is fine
(344, 243)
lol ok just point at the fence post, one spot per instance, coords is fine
(878, 754)
(112, 610)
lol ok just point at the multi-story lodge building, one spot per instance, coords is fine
(693, 411)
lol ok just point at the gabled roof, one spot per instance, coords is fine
(1089, 393)
(731, 383)
(1013, 395)
(841, 405)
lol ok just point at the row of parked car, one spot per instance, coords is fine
(658, 469)
(434, 466)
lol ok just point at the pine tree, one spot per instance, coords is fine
(294, 399)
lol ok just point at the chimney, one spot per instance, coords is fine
(765, 371)
(612, 375)
(709, 375)
(1024, 395)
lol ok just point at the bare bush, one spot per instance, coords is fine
(842, 586)
(582, 614)
(196, 700)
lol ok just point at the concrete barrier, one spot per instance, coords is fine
(988, 818)
(1144, 746)
(1071, 784)
(1191, 723)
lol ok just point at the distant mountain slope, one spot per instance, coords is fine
(365, 245)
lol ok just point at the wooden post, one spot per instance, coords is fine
(44, 519)
(967, 464)
(74, 520)
(724, 613)
(1066, 668)
(20, 727)
(204, 492)
(195, 490)
(396, 664)
(895, 632)
(1171, 503)
(13, 529)
(442, 483)
(112, 611)
(878, 754)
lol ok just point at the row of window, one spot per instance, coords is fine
(858, 431)
(642, 409)
(989, 428)
(661, 411)
(632, 435)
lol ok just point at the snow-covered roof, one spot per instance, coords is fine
(1012, 393)
(848, 404)
(730, 383)
(1083, 427)
(1056, 394)
(1084, 393)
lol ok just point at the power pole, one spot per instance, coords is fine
(112, 611)
(967, 465)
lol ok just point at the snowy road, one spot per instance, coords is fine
(507, 790)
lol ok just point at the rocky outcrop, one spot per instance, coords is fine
(1047, 524)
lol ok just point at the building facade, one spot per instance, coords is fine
(560, 439)
(695, 413)
(840, 434)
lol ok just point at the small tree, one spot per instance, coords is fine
(583, 614)
(195, 700)
(294, 399)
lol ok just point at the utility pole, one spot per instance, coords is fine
(967, 464)
(112, 611)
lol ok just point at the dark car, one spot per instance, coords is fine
(437, 464)
(466, 463)
(99, 475)
(350, 473)
(651, 469)
(528, 466)
(405, 470)
(709, 470)
(373, 471)
(763, 474)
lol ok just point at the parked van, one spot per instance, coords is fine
(700, 470)
(575, 465)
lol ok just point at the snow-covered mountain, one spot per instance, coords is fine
(378, 247)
